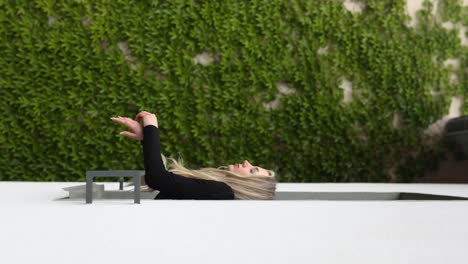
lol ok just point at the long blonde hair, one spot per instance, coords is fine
(252, 187)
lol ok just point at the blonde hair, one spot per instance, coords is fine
(255, 186)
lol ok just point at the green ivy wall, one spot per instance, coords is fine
(228, 80)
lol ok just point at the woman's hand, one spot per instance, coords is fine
(135, 127)
(148, 118)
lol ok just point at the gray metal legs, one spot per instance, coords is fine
(136, 182)
(136, 174)
(89, 187)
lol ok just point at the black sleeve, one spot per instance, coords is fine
(173, 185)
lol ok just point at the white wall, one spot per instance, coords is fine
(37, 226)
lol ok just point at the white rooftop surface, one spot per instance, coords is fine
(37, 226)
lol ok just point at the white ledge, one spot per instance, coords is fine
(37, 224)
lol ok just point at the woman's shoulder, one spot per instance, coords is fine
(226, 192)
(220, 190)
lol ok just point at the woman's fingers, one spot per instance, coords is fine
(124, 121)
(141, 115)
(129, 134)
(135, 127)
(147, 118)
(120, 120)
(117, 119)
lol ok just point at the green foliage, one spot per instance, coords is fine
(452, 10)
(68, 66)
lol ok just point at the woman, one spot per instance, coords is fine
(236, 181)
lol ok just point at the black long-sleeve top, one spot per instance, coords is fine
(171, 185)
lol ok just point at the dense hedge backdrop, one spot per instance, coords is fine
(228, 80)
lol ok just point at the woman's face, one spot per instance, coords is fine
(245, 169)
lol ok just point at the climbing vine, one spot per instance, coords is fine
(228, 80)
